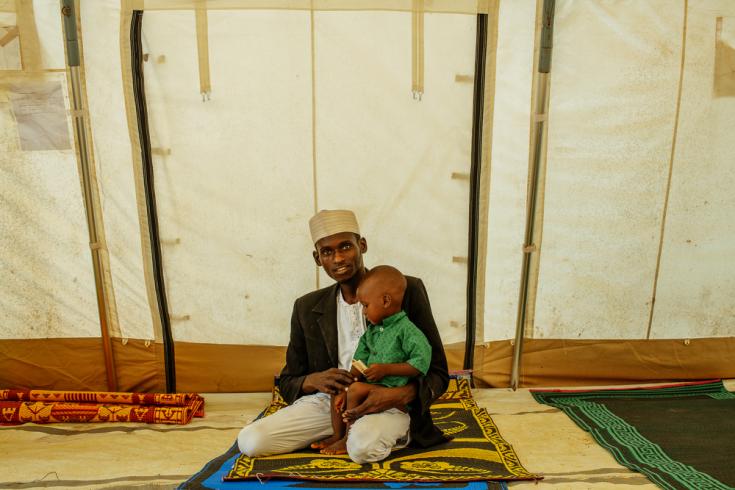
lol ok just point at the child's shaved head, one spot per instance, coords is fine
(381, 282)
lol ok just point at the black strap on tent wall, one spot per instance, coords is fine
(141, 110)
(478, 104)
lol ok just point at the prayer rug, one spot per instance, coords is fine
(46, 407)
(211, 477)
(477, 452)
(680, 436)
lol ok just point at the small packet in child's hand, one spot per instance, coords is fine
(359, 365)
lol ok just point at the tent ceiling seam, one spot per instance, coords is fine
(30, 48)
(9, 73)
(417, 49)
(12, 33)
(724, 81)
(469, 7)
(202, 34)
(7, 6)
(315, 188)
(671, 170)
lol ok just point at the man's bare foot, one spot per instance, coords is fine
(339, 447)
(324, 443)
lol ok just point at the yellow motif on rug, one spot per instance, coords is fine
(477, 451)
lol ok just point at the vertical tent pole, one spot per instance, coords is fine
(82, 138)
(529, 247)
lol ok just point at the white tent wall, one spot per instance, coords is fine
(113, 153)
(239, 171)
(636, 187)
(624, 115)
(10, 45)
(235, 192)
(696, 284)
(234, 187)
(390, 156)
(137, 348)
(508, 173)
(47, 287)
(54, 339)
(48, 28)
(611, 117)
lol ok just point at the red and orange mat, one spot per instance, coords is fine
(48, 407)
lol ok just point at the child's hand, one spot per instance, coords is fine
(339, 402)
(375, 372)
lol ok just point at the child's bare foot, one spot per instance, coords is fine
(348, 417)
(338, 447)
(324, 443)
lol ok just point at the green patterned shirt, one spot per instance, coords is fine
(395, 339)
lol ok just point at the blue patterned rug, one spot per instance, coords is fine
(211, 477)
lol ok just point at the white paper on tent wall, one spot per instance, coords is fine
(9, 42)
(724, 81)
(40, 115)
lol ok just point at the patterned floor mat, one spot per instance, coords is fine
(477, 452)
(46, 407)
(680, 436)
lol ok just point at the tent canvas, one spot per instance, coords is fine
(244, 117)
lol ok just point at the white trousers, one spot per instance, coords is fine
(371, 438)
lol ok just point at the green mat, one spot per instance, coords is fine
(477, 452)
(679, 436)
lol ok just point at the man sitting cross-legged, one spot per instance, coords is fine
(326, 326)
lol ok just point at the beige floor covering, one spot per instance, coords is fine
(159, 456)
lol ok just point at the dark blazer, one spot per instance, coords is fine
(313, 348)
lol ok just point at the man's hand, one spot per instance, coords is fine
(331, 381)
(375, 372)
(380, 399)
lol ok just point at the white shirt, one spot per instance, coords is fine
(350, 327)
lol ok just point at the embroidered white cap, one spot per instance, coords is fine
(329, 222)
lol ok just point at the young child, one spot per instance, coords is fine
(393, 349)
